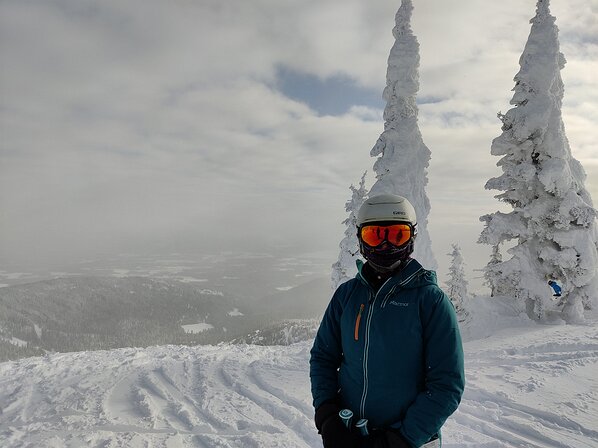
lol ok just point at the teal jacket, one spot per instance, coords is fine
(394, 357)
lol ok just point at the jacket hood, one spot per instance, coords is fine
(413, 275)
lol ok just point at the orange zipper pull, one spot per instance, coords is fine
(358, 321)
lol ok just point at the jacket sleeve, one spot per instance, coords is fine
(327, 352)
(445, 376)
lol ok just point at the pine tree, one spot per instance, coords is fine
(456, 286)
(403, 158)
(494, 276)
(553, 222)
(345, 269)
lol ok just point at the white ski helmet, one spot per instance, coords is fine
(386, 207)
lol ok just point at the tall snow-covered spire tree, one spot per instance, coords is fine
(345, 268)
(553, 222)
(403, 158)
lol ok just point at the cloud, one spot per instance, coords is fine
(151, 124)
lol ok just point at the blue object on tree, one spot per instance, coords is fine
(557, 289)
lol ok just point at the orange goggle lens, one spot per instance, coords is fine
(395, 234)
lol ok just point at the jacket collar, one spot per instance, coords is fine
(405, 276)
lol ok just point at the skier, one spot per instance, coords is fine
(388, 350)
(555, 286)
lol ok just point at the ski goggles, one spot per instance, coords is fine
(395, 234)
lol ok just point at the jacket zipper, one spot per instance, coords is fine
(366, 351)
(358, 321)
(399, 285)
(390, 293)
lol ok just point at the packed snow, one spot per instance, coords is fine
(528, 385)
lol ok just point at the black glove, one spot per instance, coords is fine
(386, 438)
(332, 429)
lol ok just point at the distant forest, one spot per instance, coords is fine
(102, 313)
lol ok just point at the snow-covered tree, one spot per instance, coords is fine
(403, 158)
(494, 277)
(345, 268)
(456, 286)
(553, 222)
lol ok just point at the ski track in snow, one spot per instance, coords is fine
(527, 387)
(525, 390)
(162, 396)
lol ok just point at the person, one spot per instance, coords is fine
(388, 348)
(556, 288)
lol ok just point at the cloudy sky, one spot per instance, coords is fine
(191, 125)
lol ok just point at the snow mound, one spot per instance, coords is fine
(488, 315)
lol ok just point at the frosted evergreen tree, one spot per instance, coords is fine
(493, 275)
(456, 286)
(345, 268)
(553, 222)
(403, 158)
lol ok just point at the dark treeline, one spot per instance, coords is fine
(102, 313)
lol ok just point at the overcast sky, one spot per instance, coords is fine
(192, 125)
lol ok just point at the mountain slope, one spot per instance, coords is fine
(531, 387)
(90, 313)
(87, 313)
(307, 300)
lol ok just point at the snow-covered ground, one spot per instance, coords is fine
(527, 386)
